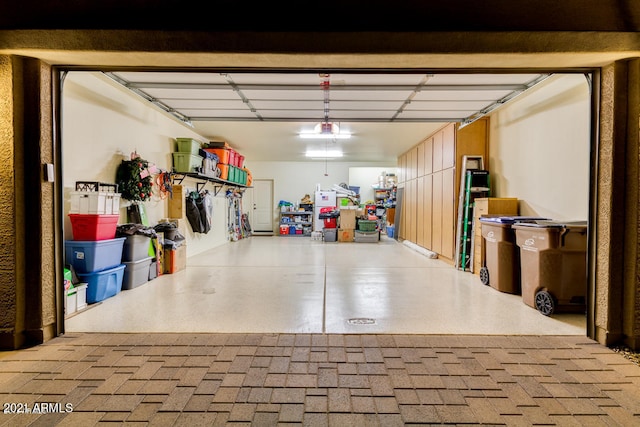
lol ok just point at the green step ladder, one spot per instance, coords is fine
(474, 183)
(476, 186)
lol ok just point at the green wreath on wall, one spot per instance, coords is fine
(134, 180)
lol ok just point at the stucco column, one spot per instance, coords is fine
(631, 292)
(12, 262)
(28, 290)
(615, 218)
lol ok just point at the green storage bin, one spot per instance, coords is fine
(367, 225)
(186, 162)
(188, 145)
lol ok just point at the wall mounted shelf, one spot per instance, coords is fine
(218, 184)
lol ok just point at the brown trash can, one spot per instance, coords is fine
(502, 258)
(553, 262)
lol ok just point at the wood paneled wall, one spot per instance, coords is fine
(428, 173)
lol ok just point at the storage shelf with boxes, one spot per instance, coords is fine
(215, 160)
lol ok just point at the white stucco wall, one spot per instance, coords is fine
(539, 149)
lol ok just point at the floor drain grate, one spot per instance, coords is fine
(362, 321)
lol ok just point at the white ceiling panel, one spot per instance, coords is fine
(364, 106)
(220, 114)
(481, 79)
(386, 112)
(283, 94)
(292, 114)
(211, 104)
(445, 115)
(446, 105)
(166, 93)
(288, 105)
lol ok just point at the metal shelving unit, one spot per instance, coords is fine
(303, 219)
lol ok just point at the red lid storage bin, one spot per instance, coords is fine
(330, 216)
(93, 226)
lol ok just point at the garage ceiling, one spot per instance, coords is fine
(261, 114)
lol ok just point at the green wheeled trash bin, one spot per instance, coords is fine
(553, 262)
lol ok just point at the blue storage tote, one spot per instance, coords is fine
(87, 256)
(103, 284)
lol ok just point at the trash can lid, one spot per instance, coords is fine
(510, 219)
(546, 223)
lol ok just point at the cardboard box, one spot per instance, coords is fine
(345, 235)
(348, 218)
(174, 260)
(177, 203)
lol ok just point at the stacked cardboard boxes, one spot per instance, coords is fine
(347, 222)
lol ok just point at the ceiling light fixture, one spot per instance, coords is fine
(325, 130)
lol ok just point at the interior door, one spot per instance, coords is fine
(262, 209)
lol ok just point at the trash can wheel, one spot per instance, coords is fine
(545, 303)
(484, 276)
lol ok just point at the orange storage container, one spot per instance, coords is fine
(224, 170)
(223, 154)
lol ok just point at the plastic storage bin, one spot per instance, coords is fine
(188, 145)
(135, 248)
(330, 216)
(367, 225)
(90, 256)
(553, 259)
(136, 273)
(95, 202)
(390, 230)
(186, 162)
(103, 284)
(366, 236)
(81, 296)
(330, 234)
(222, 153)
(76, 299)
(224, 171)
(93, 227)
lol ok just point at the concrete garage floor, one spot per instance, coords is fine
(274, 284)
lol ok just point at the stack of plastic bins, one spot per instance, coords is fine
(330, 216)
(553, 257)
(97, 263)
(367, 231)
(187, 158)
(502, 257)
(136, 258)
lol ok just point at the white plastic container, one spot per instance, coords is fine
(95, 202)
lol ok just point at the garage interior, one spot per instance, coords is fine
(254, 285)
